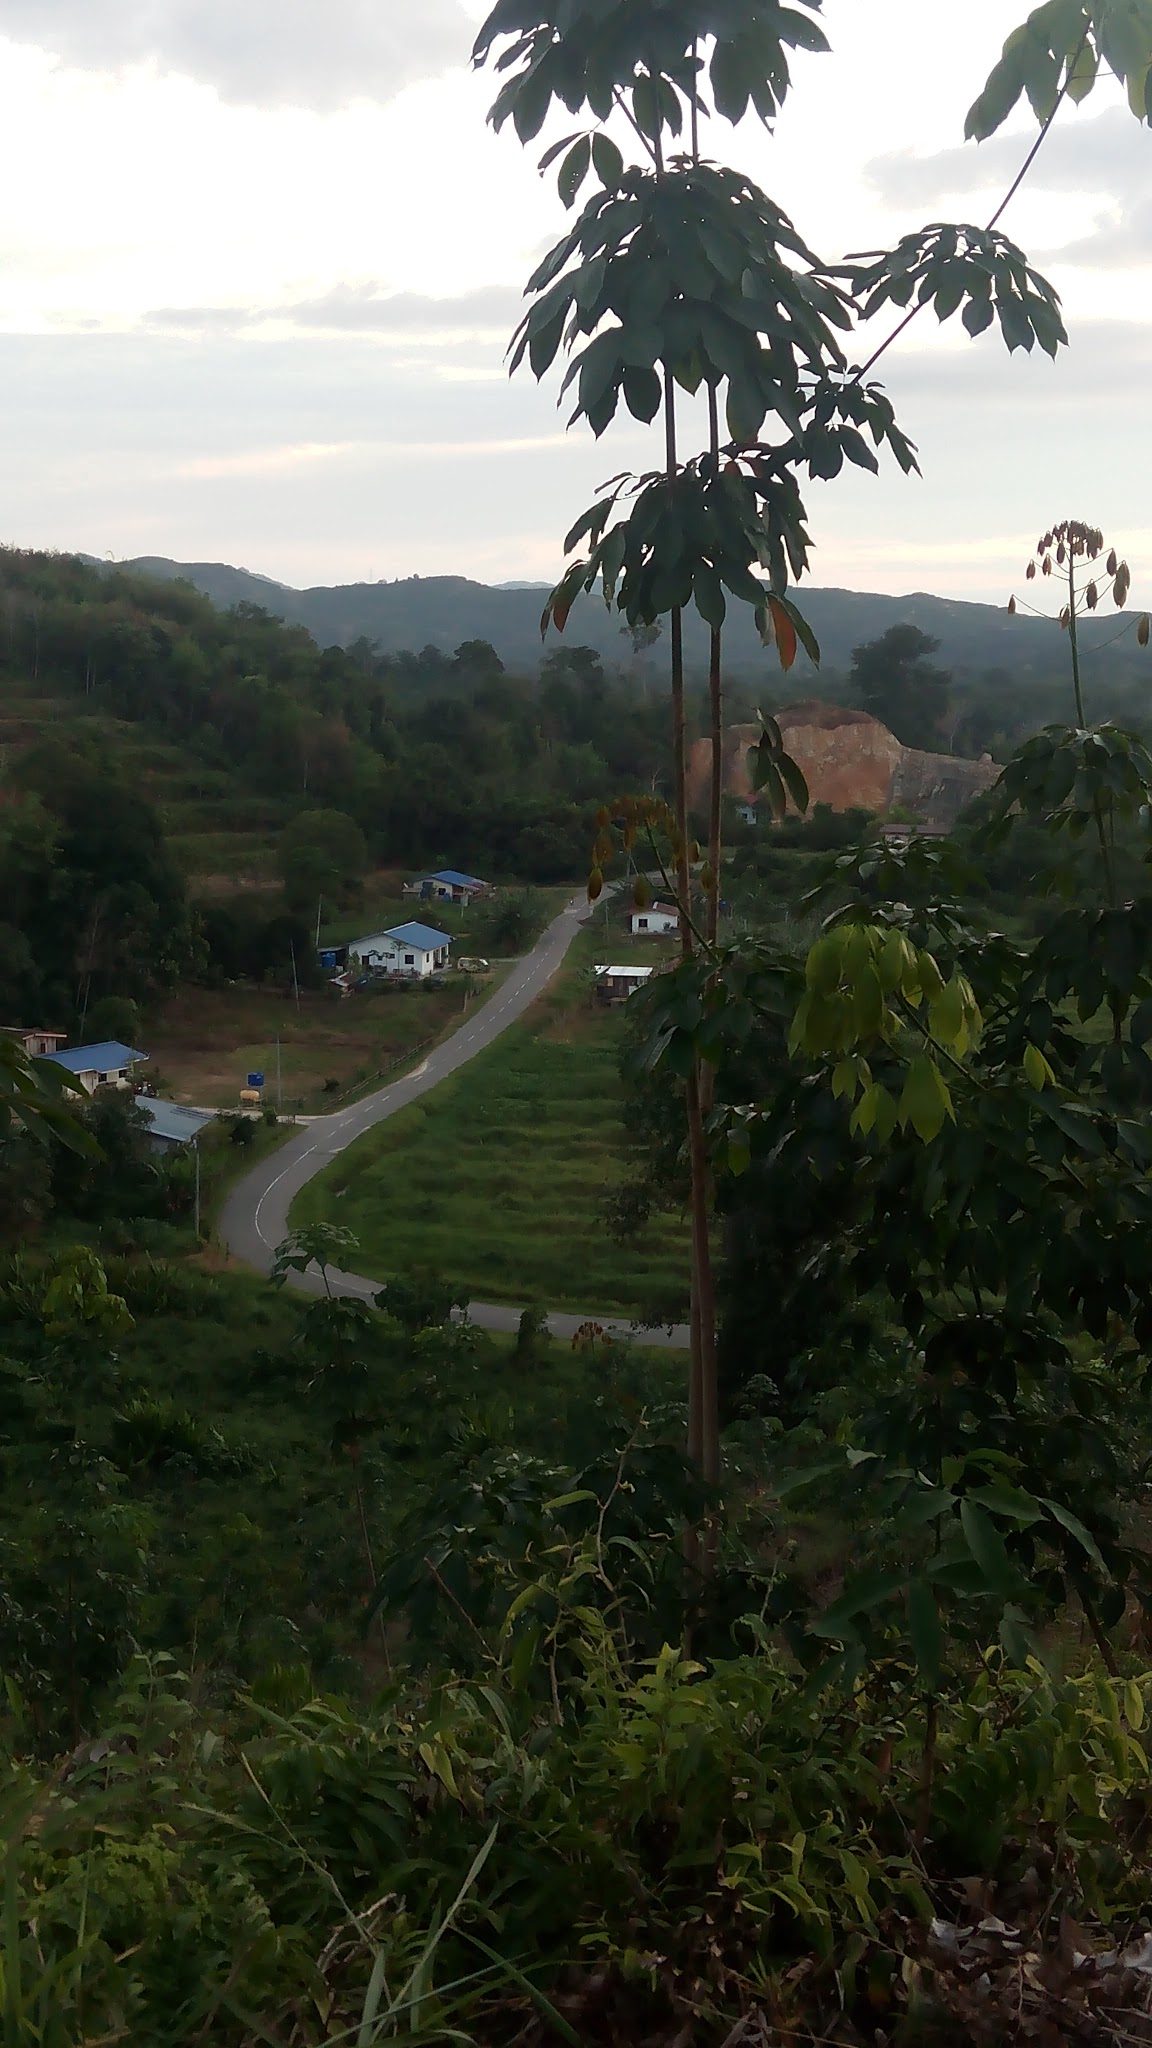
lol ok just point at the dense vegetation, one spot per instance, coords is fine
(366, 1679)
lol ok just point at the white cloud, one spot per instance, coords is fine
(358, 309)
(267, 53)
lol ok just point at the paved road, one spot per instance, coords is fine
(255, 1216)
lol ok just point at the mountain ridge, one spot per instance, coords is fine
(442, 611)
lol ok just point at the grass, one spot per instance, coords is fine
(498, 1177)
(205, 1042)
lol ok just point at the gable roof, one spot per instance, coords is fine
(655, 910)
(107, 1057)
(421, 936)
(457, 880)
(172, 1120)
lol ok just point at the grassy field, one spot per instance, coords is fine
(205, 1042)
(498, 1178)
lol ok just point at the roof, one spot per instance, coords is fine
(655, 910)
(625, 973)
(171, 1120)
(421, 936)
(457, 880)
(98, 1059)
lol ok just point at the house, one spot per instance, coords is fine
(170, 1125)
(656, 922)
(450, 886)
(107, 1065)
(899, 836)
(39, 1045)
(415, 949)
(616, 984)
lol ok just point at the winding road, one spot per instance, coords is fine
(254, 1219)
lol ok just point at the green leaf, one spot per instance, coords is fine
(1075, 1528)
(642, 392)
(987, 1546)
(1036, 1068)
(607, 161)
(1009, 1502)
(864, 1596)
(709, 595)
(574, 170)
(925, 1102)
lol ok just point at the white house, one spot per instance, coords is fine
(406, 949)
(448, 886)
(656, 922)
(107, 1065)
(616, 984)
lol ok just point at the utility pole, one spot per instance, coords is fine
(319, 908)
(279, 1084)
(196, 1211)
(295, 977)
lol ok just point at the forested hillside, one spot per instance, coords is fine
(233, 721)
(441, 611)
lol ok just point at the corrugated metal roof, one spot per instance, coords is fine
(107, 1057)
(421, 936)
(172, 1120)
(457, 880)
(624, 973)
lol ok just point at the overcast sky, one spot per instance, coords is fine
(259, 260)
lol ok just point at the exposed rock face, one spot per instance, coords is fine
(849, 759)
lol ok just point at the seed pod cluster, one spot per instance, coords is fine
(1071, 542)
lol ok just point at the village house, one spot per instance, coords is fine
(415, 949)
(107, 1065)
(449, 886)
(39, 1045)
(170, 1125)
(616, 984)
(656, 922)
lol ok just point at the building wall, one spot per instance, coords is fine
(653, 924)
(394, 960)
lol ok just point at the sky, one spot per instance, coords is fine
(259, 261)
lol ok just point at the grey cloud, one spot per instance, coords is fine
(1107, 153)
(365, 309)
(265, 53)
(357, 309)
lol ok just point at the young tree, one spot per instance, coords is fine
(680, 276)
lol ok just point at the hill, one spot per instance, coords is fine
(444, 611)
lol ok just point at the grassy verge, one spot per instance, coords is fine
(498, 1178)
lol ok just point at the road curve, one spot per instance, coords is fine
(254, 1219)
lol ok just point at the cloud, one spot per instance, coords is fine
(358, 309)
(1107, 154)
(267, 53)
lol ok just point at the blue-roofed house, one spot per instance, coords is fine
(415, 949)
(170, 1125)
(450, 886)
(107, 1065)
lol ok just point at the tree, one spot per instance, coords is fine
(895, 681)
(322, 853)
(680, 275)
